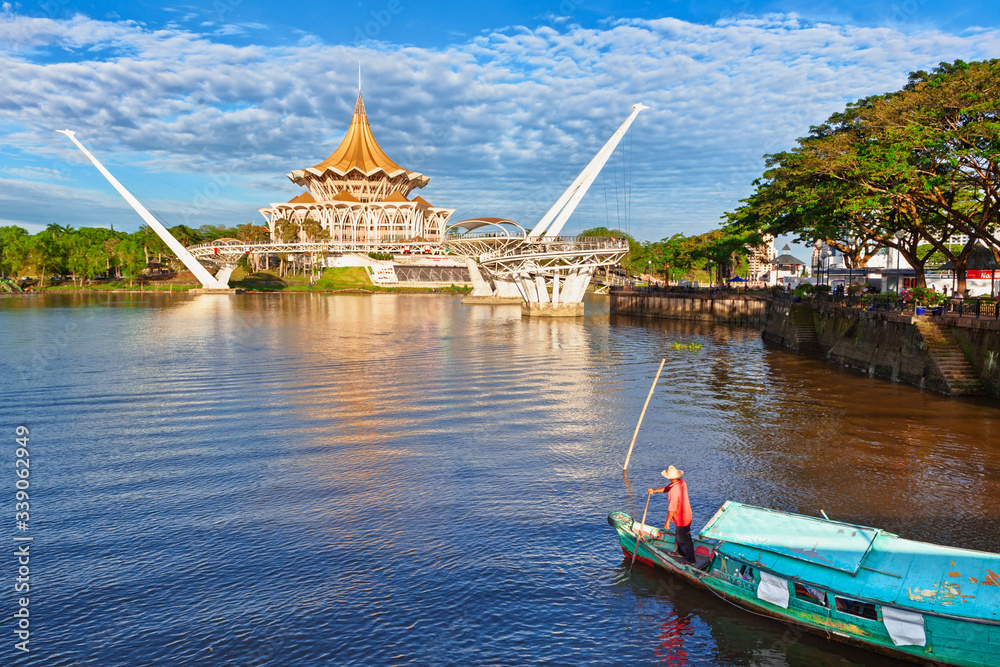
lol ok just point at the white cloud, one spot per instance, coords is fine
(504, 120)
(35, 173)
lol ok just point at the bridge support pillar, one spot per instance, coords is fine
(225, 273)
(535, 309)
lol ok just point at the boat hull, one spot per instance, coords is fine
(655, 546)
(950, 641)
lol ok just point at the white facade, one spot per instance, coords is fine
(358, 196)
(759, 262)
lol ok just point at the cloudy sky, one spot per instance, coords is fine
(202, 107)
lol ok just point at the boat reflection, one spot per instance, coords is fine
(673, 631)
(738, 637)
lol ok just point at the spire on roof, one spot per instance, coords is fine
(358, 152)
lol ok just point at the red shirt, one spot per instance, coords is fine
(680, 506)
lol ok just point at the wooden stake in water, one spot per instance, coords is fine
(643, 414)
(638, 532)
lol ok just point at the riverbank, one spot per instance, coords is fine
(950, 355)
(332, 280)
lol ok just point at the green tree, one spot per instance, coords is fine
(250, 233)
(130, 252)
(287, 231)
(186, 236)
(313, 230)
(921, 162)
(13, 250)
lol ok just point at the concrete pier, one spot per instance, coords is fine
(535, 309)
(215, 290)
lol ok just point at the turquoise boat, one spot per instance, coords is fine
(856, 584)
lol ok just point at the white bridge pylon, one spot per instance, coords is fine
(554, 220)
(551, 272)
(194, 266)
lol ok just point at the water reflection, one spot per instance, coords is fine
(697, 628)
(361, 472)
(673, 630)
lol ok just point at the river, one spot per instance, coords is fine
(279, 479)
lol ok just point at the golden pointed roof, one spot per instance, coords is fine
(304, 198)
(358, 151)
(344, 195)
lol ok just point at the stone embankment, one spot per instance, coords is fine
(934, 353)
(946, 354)
(742, 309)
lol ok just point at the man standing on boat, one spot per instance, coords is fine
(679, 512)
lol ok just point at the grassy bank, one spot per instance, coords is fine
(341, 279)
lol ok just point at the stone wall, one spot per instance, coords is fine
(733, 309)
(884, 345)
(879, 344)
(980, 340)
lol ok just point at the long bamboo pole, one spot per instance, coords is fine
(643, 414)
(638, 533)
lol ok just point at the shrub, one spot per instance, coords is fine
(924, 296)
(823, 289)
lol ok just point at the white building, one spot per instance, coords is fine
(759, 261)
(359, 197)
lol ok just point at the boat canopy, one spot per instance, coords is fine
(862, 562)
(841, 546)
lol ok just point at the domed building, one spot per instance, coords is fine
(359, 197)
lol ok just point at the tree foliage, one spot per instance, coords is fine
(910, 170)
(90, 252)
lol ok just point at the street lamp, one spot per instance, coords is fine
(899, 237)
(825, 255)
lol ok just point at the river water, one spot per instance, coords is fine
(294, 479)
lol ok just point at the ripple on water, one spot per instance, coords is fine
(306, 479)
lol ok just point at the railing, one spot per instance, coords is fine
(485, 235)
(887, 303)
(675, 289)
(973, 308)
(977, 308)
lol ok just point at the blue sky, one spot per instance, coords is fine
(201, 108)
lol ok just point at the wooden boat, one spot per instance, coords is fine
(855, 584)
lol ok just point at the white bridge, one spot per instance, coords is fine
(549, 272)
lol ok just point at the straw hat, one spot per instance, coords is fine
(672, 473)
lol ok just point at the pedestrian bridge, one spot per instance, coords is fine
(548, 271)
